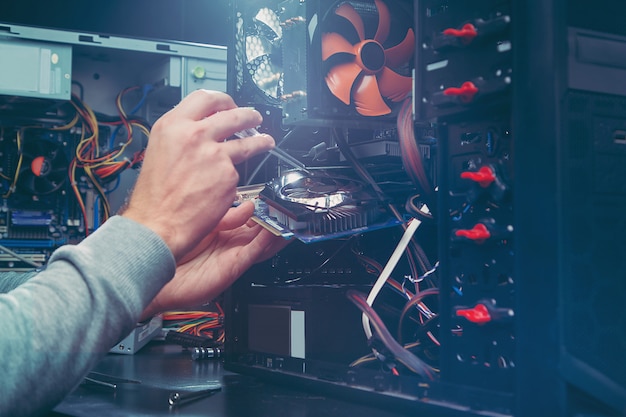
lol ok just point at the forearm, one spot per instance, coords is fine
(62, 321)
(11, 280)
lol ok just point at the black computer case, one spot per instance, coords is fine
(527, 103)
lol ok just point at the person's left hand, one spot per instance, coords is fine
(217, 261)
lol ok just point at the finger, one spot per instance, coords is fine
(245, 148)
(236, 216)
(200, 104)
(225, 124)
(269, 244)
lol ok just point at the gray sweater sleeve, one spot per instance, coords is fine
(56, 326)
(11, 280)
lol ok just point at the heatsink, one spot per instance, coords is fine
(320, 205)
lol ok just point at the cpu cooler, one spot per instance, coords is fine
(43, 167)
(362, 74)
(346, 63)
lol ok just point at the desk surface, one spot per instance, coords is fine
(162, 368)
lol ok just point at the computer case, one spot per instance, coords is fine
(47, 196)
(527, 103)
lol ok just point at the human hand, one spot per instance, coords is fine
(188, 179)
(217, 261)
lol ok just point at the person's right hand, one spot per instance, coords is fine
(188, 179)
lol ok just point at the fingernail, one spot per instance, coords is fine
(269, 139)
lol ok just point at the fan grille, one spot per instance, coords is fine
(319, 194)
(257, 46)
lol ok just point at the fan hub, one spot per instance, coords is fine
(370, 56)
(41, 166)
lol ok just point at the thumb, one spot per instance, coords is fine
(236, 216)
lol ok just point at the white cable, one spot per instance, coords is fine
(389, 267)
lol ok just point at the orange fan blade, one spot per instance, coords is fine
(393, 85)
(402, 52)
(346, 10)
(367, 98)
(340, 79)
(334, 43)
(37, 165)
(384, 20)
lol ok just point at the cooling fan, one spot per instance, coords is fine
(318, 206)
(44, 167)
(258, 38)
(359, 67)
(346, 63)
